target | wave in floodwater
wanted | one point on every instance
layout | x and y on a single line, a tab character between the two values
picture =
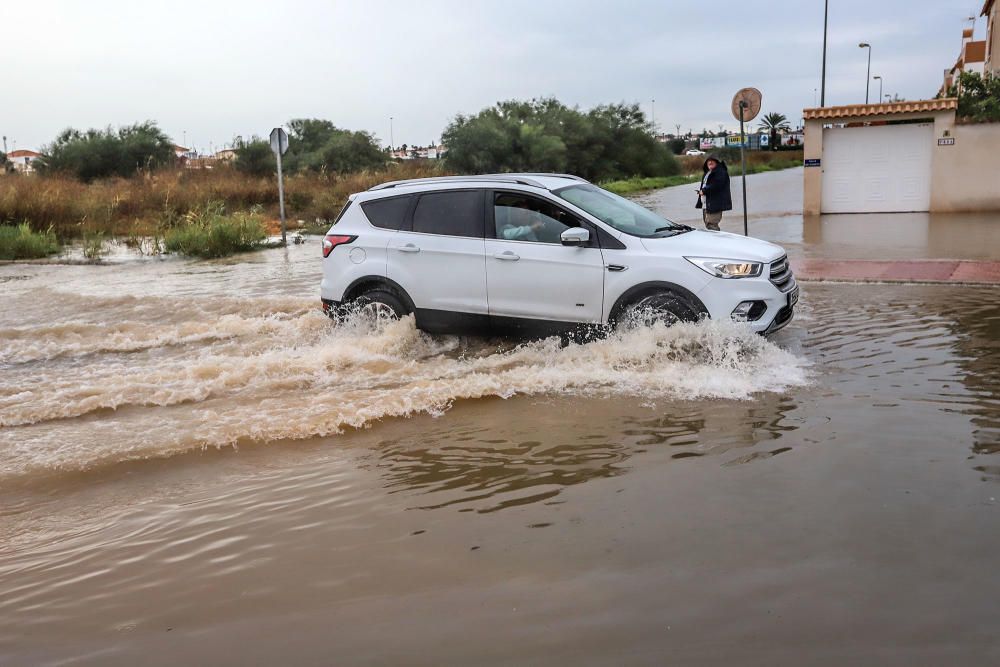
162	380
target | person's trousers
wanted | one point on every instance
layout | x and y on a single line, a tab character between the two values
712	220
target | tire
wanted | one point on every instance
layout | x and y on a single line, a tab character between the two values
657	308
378	305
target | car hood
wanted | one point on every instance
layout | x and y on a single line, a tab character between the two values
700	243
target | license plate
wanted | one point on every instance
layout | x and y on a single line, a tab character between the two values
793	297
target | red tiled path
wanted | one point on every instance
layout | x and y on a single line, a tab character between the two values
901	271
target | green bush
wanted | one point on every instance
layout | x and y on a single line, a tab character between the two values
979	97
104	153
21	243
209	232
608	142
676	145
255	157
318	145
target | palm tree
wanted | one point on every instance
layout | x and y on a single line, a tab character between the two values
773	123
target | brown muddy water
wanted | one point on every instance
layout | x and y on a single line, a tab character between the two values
196	467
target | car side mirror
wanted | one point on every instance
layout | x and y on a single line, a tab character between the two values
575	236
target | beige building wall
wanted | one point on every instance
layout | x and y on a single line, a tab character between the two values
963	175
990	11
966	176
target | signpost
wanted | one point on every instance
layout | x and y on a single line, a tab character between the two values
746	106
279	145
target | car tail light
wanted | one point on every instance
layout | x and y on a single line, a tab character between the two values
331	241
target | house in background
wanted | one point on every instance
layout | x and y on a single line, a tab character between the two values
21	160
991	10
971	58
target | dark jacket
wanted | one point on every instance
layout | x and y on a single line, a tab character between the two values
716	188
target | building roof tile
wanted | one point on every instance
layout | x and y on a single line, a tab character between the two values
858	110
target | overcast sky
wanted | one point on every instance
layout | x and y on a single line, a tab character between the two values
209	70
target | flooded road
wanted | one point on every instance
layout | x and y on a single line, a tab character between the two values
197	467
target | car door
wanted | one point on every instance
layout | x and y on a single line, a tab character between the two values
438	256
529	273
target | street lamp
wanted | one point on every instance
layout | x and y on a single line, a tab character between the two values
391	138
868	76
826	15
879	86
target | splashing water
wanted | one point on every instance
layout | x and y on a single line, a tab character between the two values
174	376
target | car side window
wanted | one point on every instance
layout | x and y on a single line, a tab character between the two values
389	213
451	213
519	217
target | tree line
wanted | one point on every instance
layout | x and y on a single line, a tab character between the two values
607	142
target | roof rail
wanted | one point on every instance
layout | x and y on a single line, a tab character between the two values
502	178
573	177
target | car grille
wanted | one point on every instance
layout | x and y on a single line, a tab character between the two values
781	274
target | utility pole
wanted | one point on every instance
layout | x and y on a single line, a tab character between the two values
652	115
392	140
826	15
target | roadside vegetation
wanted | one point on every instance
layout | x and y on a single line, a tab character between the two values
757	162
209	232
20	242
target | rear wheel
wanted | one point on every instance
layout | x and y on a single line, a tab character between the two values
378	306
657	308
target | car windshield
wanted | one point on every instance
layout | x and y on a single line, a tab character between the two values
622	214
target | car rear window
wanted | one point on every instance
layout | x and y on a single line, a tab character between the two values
387	213
453	213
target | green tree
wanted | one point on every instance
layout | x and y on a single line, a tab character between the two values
103	153
611	141
318	145
254	157
774	123
978	97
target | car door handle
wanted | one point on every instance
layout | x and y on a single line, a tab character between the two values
409	247
507	256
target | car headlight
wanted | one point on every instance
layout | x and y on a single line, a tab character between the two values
727	268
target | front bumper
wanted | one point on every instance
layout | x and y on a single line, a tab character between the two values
721	297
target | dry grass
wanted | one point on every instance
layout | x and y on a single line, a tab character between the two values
144	204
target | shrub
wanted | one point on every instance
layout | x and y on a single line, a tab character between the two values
103	153
21	243
209	232
318	145
676	145
255	157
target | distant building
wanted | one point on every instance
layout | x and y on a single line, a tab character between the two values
226	155
971	58
21	160
991	62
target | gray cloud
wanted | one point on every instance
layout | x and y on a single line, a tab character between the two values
219	69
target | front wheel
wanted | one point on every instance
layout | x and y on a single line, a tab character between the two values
658	308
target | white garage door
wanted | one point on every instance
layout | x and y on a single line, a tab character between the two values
877	169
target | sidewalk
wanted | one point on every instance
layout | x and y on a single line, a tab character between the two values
898	271
956	248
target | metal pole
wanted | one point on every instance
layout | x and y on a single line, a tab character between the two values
880	89
392	140
743	164
281	195
826	14
868	77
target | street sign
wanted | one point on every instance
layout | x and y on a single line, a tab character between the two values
750	97
279	141
947	141
279	144
812	162
745	107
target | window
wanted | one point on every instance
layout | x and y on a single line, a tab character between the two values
455	213
622	214
520	217
387	213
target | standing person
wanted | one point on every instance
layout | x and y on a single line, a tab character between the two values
714	191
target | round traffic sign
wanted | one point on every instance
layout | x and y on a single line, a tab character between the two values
750	100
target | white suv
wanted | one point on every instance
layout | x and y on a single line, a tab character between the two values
541	254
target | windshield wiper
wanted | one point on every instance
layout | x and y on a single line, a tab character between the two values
676	229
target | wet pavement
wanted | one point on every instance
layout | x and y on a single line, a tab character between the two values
196	467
